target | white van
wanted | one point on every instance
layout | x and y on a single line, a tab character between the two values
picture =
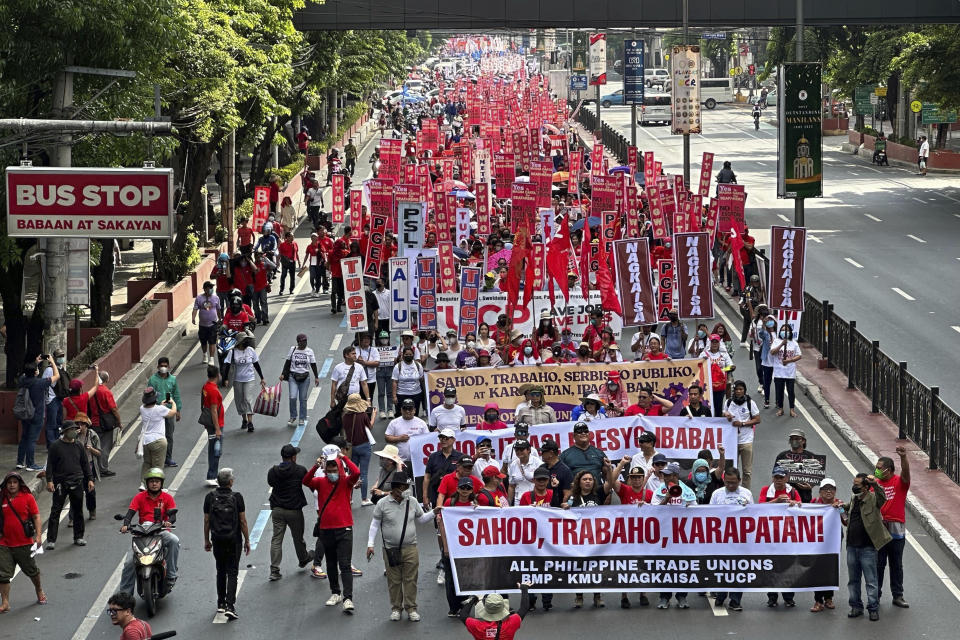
655	76
656	107
715	90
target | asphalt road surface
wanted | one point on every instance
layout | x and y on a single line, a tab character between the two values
882	244
78	581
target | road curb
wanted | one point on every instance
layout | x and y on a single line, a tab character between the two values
928	521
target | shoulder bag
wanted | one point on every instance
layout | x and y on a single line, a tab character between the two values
395	554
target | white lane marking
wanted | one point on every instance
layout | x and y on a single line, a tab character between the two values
927	559
100	604
957	215
854	263
815	239
312	398
955	328
220	618
874	218
854	173
920	240
784	218
717	611
903	293
920	201
335	343
83	631
872	169
949	198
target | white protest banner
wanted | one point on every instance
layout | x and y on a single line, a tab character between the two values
546	225
399	273
463	225
678	438
719	548
410	217
356	302
482	166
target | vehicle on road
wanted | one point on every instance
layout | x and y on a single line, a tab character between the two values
656	107
150	560
612	98
713	91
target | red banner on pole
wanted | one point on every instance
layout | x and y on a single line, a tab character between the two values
691	252
608	230
410	173
381	201
603	194
706	169
442	217
576	167
423	181
504	171
657	219
664	288
541	174
448	271
632	261
482	191
390	158
261	207
356	203
596	161
731	201
649	169
710	224
374	257
788	252
524	199
633	160
336	190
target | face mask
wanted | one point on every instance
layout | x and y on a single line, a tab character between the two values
701	476
527	351
449	402
490	417
408	359
795	443
770	324
674	317
471	345
783	334
701	334
162	370
333	477
583	352
433	338
567	339
59	361
855	489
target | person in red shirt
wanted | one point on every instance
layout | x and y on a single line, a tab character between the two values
780	491
261	270
648	404
120	608
635	491
661	252
592	334
339	251
493	618
211	398
746	256
144	505
655	349
491	494
491	417
243	277
303	141
224	280
77	401
895	488
540	495
410	149
17	505
450	483
105	419
289	260
274	194
239	316
245	237
334	488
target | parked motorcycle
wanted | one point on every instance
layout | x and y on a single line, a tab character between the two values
149	560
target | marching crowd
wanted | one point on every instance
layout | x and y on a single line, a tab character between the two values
382	378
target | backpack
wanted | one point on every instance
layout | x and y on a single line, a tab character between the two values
224	518
23	407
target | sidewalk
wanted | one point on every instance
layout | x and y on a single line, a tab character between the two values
934	499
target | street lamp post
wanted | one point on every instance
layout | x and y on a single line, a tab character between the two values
686	136
798	213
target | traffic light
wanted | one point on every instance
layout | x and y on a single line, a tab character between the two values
752	69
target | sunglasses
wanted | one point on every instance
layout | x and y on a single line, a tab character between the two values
113	613
444	438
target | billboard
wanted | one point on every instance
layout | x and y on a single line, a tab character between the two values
89	202
633	71
685	78
799	138
598	58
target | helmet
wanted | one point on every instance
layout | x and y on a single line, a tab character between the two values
224	257
384	334
235	293
156	473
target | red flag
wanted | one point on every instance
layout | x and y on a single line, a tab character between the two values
558	257
609	299
511	283
736	244
585	260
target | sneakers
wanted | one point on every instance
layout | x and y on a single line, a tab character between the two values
171	463
663	603
50	546
598	601
302	423
644	601
34	467
80	542
577	601
356	572
366	503
318	573
347	606
211	482
453	614
274	576
789	603
440	576
414	616
855	613
249	427
772	602
624	602
334	599
107	473
221	608
230	612
93	515
308	560
682	602
874	616
292	422
395	615
735	606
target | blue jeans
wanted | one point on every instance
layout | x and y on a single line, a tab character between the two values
360	454
384	385
767	379
891	552
54	419
214	451
298	391
28	439
862	561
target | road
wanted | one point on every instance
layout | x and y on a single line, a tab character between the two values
78	580
883	244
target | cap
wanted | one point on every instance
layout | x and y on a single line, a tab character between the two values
82	417
828	482
465	483
566	331
58	353
521	444
484	439
407	334
549	445
447	433
465	461
673	469
331	452
646	436
67	425
400	476
208	285
658	457
516	333
541	472
481	353
714	336
581	427
637	471
450	392
779	471
301	337
451	332
545	314
408	403
798	433
584	344
287	451
75	385
613	375
443	357
492	471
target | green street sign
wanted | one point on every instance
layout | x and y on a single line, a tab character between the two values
861	100
932	114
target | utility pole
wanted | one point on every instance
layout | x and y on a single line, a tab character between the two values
798	213
686	136
228	195
633	105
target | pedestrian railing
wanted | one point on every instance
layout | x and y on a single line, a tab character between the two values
612	140
917	410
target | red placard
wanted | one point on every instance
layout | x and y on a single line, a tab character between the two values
664	288
706	168
576	167
524	199
596	161
374	257
482	191
423	181
608	230
336	190
657	219
649	169
541	175
442	217
603	194
633	160
390	158
409	173
691	253
381	201
710	224
448	270
504	171
261	206
731	201
356	203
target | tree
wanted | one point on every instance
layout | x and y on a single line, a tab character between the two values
928	61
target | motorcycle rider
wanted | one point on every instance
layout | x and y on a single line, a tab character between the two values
143	505
757	112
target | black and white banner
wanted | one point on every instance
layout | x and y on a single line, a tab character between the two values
677	438
759	547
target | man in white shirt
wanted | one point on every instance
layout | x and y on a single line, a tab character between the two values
357	382
401	429
484	457
369	357
731	493
453	345
521	470
449	415
644	458
744	414
382	293
923	155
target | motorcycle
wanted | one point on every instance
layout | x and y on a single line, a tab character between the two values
226	340
150	560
